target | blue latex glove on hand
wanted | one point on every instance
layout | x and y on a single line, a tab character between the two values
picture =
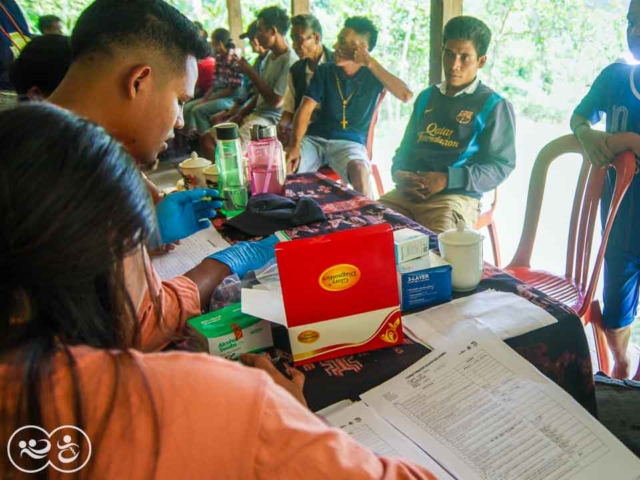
244	257
184	213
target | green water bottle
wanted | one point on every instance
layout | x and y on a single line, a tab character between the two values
230	163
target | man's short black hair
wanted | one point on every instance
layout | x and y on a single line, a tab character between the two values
468	28
43	63
363	26
46	22
308	22
275	17
106	25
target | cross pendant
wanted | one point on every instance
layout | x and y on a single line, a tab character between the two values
344	118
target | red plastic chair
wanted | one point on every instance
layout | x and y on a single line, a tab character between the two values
485	219
331	173
576	288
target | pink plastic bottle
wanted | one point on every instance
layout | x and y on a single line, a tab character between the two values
267	168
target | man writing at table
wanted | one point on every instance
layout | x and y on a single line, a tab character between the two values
460	141
346	92
134	67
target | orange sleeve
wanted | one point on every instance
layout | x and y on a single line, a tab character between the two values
176	301
294	443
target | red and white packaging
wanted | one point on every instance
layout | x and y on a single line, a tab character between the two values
339	294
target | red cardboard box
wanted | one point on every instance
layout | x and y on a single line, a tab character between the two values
339	294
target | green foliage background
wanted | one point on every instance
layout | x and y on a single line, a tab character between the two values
544	53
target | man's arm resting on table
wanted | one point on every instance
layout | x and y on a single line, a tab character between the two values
300	125
207	276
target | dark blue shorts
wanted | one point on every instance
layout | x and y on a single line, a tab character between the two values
621	284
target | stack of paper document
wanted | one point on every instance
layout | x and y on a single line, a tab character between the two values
479	411
506	314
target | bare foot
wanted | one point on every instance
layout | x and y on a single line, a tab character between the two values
621	370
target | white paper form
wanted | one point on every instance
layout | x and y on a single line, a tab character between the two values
371	431
189	253
483	412
506	314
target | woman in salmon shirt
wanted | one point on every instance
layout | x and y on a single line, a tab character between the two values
68	330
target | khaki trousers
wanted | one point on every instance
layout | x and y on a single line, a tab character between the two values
438	213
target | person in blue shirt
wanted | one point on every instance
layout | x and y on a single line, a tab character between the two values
460	141
616	93
346	92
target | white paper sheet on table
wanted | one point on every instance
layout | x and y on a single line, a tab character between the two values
189	253
373	432
483	412
506	314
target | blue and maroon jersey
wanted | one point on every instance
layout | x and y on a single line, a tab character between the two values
615	94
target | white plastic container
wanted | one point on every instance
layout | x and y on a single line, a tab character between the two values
462	249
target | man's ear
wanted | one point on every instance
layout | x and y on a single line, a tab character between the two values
137	79
316	37
35	94
481	61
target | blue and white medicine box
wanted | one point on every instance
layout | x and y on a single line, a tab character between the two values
410	244
424	282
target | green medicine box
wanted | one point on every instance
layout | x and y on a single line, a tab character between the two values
228	332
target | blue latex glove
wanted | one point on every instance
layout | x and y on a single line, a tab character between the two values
244	257
184	213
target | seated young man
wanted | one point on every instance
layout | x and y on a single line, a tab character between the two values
271	85
244	105
460	141
226	87
346	92
306	38
615	93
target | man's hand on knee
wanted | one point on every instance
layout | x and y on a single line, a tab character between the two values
422	185
433	182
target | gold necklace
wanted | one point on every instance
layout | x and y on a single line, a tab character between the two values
344	102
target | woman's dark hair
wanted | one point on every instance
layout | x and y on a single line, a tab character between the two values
73	207
275	17
43	63
468	28
106	25
363	26
223	36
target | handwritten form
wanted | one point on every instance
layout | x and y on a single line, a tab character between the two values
189	253
371	431
485	413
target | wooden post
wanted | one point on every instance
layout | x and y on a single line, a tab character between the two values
299	6
235	21
441	12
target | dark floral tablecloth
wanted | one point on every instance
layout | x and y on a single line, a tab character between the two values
560	351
